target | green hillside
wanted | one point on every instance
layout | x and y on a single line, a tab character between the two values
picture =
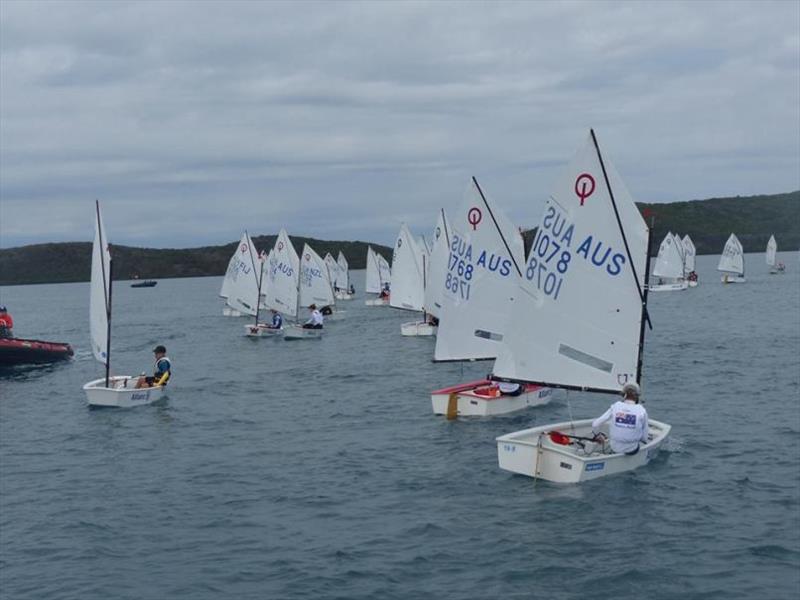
71	261
708	222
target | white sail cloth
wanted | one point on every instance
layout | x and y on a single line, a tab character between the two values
315	285
243	276
283	276
343	279
690	252
772	250
577	315
437	266
669	262
408	273
732	258
483	270
99	306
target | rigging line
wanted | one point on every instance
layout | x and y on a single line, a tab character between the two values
502	237
642	296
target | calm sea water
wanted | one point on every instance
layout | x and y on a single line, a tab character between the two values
317	470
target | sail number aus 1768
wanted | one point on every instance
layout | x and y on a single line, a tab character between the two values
459	276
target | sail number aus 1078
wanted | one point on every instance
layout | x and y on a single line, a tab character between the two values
547	264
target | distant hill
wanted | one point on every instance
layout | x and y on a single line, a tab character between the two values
71	261
709	223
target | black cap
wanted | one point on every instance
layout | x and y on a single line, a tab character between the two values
160	349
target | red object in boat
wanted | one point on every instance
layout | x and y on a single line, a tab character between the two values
19	351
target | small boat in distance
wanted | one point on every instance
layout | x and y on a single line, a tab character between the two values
731	262
145	284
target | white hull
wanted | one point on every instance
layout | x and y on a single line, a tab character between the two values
692	284
481	399
343	296
377	302
531	452
733	279
227	311
262	330
669	287
122	393
295	332
419	328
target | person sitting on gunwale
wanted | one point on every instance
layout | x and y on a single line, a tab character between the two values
162	372
315	321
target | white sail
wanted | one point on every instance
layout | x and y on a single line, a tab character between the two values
373	281
244	277
732	258
344	272
224	291
437	266
283	272
690	252
486	254
315	284
577	317
772	249
99	305
408	274
669	262
333	270
384	270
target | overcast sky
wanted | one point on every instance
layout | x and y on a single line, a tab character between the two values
191	121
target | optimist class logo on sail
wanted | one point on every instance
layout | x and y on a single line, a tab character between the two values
557	243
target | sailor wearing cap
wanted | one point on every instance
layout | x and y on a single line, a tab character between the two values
628	421
315	320
162	372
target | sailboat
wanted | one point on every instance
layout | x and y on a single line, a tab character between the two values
408	279
669	267
378	278
316	286
117	390
580	315
342	286
772	251
483	267
689	252
437	270
230	276
731	262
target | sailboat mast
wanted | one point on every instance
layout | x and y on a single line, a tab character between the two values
621	229
424	285
108	316
640	359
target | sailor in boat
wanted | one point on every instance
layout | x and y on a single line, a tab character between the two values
352	289
277	320
326	311
384	292
692	276
628	422
6	323
434	321
162	372
509	389
315	321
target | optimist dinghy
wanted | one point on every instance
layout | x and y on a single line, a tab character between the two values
731	262
409	263
120	390
580	317
484	398
481	277
669	266
342	286
378	276
689	252
772	251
